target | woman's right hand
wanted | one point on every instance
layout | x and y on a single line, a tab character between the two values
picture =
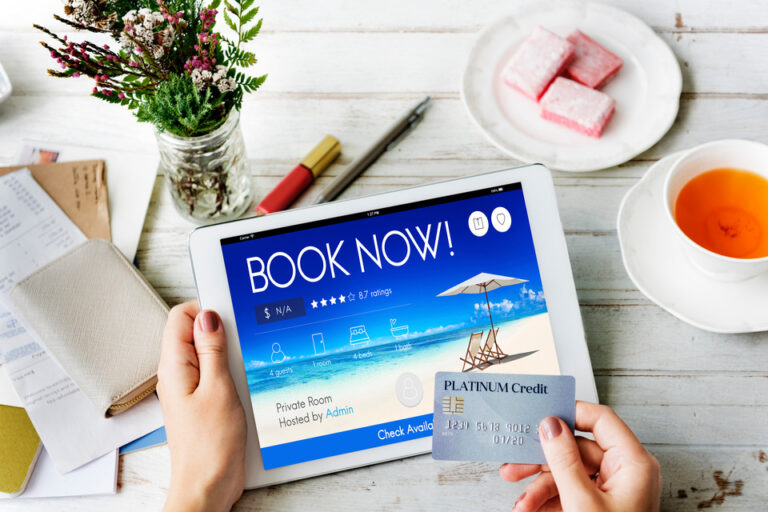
612	473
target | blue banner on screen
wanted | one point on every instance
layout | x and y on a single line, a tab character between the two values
347	441
344	322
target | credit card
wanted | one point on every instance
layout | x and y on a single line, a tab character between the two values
495	417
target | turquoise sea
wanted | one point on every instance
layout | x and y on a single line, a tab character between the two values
360	360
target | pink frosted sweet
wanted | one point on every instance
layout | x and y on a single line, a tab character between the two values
539	59
577	107
592	64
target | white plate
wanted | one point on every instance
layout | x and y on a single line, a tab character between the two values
5	85
646	89
656	263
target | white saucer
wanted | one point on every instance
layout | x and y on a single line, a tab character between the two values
656	263
5	85
646	89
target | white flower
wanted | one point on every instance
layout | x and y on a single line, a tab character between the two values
166	36
218	78
197	79
140	32
130	17
89	13
220	73
226	85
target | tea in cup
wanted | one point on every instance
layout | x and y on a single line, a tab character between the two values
716	197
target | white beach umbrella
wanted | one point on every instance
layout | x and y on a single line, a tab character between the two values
482	283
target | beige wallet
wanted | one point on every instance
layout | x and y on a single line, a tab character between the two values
100	319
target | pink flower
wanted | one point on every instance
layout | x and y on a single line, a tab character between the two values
95	90
121	96
76	74
106	47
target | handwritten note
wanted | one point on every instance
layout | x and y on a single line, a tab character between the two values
79	188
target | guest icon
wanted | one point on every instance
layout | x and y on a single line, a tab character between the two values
278	356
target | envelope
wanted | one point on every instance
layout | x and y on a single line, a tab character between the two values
79	188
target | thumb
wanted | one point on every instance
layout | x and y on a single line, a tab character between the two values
210	346
564	460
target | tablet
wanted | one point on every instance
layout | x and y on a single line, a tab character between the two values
338	316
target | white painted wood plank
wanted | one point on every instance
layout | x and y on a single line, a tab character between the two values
705	425
637	337
420	483
689	389
453	15
280	129
411	62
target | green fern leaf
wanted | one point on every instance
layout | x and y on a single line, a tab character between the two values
251	33
229	22
248	16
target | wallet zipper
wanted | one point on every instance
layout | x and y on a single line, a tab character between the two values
133	400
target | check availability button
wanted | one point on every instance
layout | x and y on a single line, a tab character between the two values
347	441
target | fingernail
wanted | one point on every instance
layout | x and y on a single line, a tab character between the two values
209	321
550	428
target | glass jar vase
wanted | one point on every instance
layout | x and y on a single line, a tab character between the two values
208	176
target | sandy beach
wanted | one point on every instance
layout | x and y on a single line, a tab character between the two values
370	391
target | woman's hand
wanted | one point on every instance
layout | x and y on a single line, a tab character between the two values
204	419
612	473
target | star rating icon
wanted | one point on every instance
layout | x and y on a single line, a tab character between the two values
332	301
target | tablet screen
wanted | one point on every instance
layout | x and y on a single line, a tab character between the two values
343	322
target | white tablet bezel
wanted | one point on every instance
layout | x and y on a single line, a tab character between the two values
556	276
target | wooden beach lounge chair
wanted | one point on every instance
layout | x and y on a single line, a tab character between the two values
473	348
491	349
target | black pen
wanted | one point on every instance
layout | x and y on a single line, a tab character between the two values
395	134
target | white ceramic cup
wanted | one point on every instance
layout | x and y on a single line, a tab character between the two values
737	154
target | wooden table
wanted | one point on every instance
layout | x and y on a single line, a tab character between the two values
699	401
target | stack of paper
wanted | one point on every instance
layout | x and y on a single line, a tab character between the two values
80	455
